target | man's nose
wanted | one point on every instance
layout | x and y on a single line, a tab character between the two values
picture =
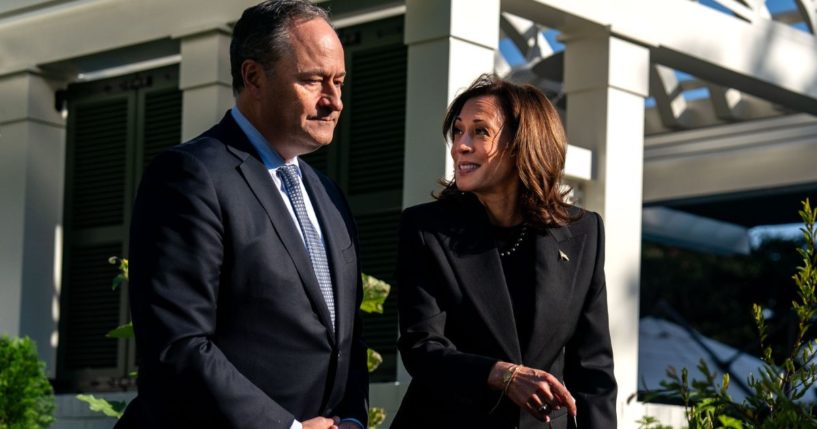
331	97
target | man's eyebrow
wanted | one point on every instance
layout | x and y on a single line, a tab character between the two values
319	72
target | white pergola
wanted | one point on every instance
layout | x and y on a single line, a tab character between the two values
618	53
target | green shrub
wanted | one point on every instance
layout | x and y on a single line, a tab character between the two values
26	396
778	397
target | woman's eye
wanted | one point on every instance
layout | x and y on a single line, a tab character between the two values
481	132
456	131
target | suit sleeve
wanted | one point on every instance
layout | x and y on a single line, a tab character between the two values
176	257
589	353
430	357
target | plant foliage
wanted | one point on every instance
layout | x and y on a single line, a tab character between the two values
104	406
26	396
648	422
375	292
778	392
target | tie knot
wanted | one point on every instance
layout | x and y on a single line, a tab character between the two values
289	173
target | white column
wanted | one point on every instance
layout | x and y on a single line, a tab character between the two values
606	81
450	43
32	159
205	80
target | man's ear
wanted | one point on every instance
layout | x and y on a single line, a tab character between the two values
254	76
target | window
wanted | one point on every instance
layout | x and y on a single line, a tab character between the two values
115	127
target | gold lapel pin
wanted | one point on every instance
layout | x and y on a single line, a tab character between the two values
563	256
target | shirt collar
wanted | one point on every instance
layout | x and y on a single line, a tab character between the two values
270	158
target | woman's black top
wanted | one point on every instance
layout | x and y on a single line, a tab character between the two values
518	268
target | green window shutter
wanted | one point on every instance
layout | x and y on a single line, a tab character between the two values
99	163
377	124
378	257
115	127
162	124
99	133
94	309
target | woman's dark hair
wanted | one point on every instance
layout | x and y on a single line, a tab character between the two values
535	140
262	33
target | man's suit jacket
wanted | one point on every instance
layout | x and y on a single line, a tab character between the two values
456	319
231	328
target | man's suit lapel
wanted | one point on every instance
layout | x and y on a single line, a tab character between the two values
557	261
262	186
477	264
335	239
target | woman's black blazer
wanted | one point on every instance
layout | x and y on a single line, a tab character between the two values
456	319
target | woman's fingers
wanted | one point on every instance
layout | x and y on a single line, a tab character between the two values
561	395
540	393
539	408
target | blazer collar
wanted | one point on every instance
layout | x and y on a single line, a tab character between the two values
476	262
252	168
336	239
557	254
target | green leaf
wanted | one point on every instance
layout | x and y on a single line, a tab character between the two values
373	359
122	277
26	396
109	408
117	281
375	292
376	417
730	422
123	331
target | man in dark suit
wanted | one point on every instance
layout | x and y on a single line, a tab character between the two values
244	275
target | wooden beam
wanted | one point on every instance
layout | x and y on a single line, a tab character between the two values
755	58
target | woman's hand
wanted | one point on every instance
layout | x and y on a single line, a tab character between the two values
532	389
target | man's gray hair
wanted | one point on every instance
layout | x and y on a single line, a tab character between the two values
262	33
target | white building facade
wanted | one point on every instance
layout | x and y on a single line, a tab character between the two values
91	89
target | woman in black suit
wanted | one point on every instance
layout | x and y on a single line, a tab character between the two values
503	308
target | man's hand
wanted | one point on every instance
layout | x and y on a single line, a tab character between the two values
322	423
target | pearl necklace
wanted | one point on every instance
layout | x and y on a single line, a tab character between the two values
517	243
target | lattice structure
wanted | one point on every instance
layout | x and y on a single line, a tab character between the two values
678	100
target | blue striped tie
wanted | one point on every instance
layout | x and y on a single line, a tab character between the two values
314	245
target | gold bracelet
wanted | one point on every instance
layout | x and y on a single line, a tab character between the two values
508	378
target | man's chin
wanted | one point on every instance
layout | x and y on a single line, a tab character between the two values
315	143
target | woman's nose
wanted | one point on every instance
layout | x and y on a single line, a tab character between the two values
463	144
